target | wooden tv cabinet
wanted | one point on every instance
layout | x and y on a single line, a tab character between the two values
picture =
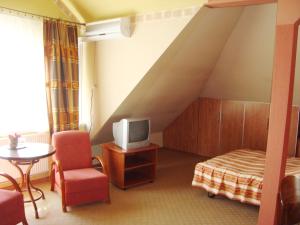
132	167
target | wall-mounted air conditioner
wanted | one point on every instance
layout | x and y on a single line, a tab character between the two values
107	29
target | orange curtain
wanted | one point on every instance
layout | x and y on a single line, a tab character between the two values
61	65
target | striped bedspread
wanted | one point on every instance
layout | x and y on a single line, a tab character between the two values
237	175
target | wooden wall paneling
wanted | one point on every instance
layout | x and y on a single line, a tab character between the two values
190	128
209	127
172	134
293	131
182	133
232	120
178	130
167	135
256	125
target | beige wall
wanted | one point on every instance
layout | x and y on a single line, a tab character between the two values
157	138
244	69
87	83
121	63
221	53
177	77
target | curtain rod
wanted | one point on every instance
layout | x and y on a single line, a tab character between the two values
26	14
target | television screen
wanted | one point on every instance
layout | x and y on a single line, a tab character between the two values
132	133
138	130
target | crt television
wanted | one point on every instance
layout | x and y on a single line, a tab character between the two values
131	133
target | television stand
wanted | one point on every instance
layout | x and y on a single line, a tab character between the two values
132	167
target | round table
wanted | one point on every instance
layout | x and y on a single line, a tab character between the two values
27	154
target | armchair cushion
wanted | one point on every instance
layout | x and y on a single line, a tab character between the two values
73	149
83	180
11	203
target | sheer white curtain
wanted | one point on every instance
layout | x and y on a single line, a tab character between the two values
22	77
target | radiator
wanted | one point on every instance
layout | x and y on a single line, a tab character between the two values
39	168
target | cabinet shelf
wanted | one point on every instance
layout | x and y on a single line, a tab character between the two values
136	178
138	165
132	163
132	167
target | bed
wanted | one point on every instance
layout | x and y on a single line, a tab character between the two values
237	175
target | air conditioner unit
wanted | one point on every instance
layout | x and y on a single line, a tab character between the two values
107	29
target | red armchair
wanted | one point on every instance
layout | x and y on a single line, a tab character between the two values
11	204
72	173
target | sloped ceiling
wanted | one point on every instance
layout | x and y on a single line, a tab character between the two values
93	10
244	69
41	7
179	74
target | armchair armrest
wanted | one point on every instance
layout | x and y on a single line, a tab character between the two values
101	162
12	180
57	163
59	168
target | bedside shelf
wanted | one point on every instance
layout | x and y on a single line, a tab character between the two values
132	167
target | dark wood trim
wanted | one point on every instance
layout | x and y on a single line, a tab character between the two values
235	3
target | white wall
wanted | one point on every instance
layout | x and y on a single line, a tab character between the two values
87	77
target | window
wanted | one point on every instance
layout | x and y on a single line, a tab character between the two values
22	77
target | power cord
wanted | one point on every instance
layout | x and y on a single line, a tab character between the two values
91	107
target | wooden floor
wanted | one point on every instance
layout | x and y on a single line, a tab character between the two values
169	200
